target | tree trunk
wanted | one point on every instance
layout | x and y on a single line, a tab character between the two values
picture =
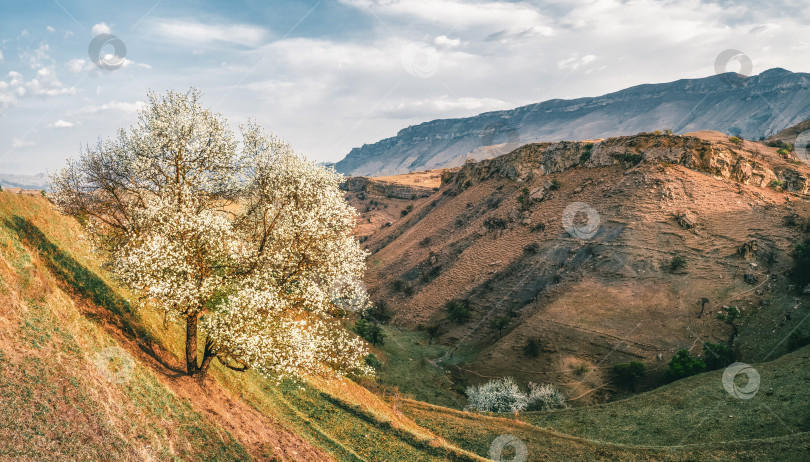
191	344
203	369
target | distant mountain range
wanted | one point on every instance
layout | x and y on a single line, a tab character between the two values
38	181
751	107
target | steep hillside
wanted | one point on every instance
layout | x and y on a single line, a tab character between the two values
669	415
85	378
752	107
680	219
382	200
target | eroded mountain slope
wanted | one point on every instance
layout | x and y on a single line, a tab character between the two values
681	219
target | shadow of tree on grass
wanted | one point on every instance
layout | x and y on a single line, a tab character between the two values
75	278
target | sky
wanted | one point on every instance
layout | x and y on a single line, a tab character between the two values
331	75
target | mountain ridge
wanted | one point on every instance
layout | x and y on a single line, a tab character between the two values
752	107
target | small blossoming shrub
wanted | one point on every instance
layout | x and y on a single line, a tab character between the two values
543	397
504	395
499	395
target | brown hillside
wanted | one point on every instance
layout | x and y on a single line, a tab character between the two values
789	134
493	236
382	200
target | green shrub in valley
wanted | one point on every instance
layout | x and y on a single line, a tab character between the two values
677	262
370	331
683	364
499	324
458	311
628	374
532	348
797	340
801	258
717	355
372	361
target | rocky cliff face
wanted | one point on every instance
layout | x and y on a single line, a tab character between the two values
384	188
751	107
726	160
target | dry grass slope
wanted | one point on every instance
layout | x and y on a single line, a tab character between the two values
62	400
493	236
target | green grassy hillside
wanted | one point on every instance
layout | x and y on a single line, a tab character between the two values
692	419
698	410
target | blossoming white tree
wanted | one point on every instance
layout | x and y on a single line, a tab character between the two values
247	244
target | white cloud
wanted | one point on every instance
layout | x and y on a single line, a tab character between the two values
68	34
46	84
131	63
37	58
513	35
61	124
85	65
101	28
1	56
444	41
195	34
117	106
50	29
460	14
441	105
78	65
16	78
17	143
574	62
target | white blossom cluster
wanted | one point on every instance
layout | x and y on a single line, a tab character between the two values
498	395
545	396
257	328
504	395
179	257
249	238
